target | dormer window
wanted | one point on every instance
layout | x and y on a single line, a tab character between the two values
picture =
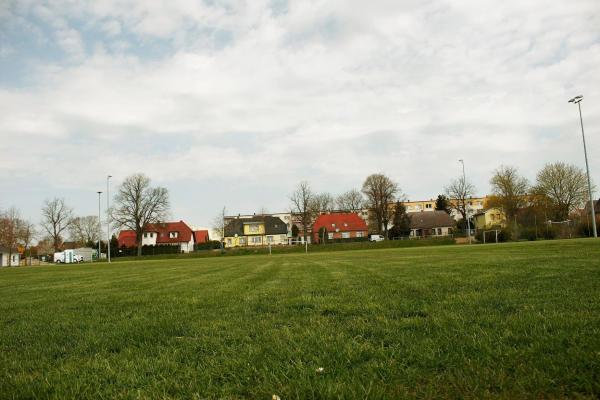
173	235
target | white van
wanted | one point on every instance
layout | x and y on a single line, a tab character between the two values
67	257
376	238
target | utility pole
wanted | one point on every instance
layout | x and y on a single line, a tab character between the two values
108	218
465	200
99	226
577	100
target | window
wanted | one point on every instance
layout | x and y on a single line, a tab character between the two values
151	234
269	239
330	236
229	242
345	235
242	241
359	234
253	228
173	235
428	205
256	240
145	235
333	225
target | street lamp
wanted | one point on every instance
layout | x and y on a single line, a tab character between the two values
108	219
99	226
577	100
464	193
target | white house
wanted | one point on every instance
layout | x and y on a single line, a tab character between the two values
8	258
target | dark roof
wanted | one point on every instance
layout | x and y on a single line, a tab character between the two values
430	219
4	249
273	225
596	206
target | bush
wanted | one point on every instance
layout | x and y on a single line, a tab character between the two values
528	233
210	245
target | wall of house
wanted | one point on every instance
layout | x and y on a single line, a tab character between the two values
13	261
186	247
490	218
149	238
440	231
262	240
341	235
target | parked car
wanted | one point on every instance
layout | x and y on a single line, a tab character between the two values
376	238
67	257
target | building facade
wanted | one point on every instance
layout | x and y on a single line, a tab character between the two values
258	230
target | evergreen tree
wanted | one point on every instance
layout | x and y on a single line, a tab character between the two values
442	204
401	222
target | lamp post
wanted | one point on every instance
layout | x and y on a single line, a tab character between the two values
108	219
465	200
577	100
99	226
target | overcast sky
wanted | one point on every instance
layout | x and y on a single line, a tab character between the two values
232	103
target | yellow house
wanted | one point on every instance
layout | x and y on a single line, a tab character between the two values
492	217
259	230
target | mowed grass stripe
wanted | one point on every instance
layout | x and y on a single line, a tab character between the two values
512	321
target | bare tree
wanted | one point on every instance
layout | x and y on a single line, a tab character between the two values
321	203
459	191
85	230
137	204
509	190
27	234
302	200
564	186
56	217
381	193
10	230
350	201
218	225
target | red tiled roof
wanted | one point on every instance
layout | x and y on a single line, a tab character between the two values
201	236
162	229
345	222
127	238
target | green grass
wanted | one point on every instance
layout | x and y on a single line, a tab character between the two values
510	321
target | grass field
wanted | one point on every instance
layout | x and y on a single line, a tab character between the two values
510	321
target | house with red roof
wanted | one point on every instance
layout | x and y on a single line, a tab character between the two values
339	226
164	233
201	236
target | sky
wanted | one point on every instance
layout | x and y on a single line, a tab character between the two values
232	103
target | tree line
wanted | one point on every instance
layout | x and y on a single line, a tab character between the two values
559	190
136	204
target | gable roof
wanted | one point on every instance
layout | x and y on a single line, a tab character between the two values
430	219
201	236
127	238
344	222
162	229
273	225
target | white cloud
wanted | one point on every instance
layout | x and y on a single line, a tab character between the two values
328	91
